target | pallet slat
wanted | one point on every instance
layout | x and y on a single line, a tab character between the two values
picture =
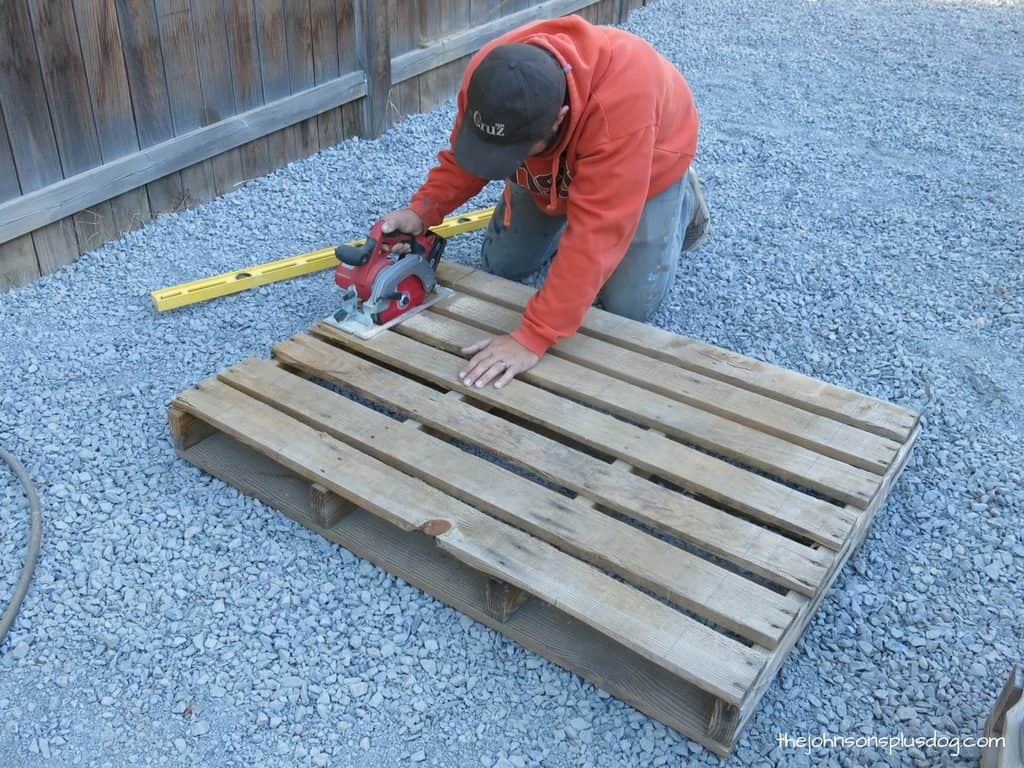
721	436
866	412
822	522
740	605
811	430
764	552
683	646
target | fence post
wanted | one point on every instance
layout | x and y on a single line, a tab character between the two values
375	47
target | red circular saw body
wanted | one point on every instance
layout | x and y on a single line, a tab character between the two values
412	295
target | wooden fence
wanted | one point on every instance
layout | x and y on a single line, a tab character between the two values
114	111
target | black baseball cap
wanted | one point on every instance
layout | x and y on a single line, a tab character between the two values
513	99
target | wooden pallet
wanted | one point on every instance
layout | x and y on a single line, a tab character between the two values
661	516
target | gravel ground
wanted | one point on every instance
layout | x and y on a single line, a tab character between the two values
862	164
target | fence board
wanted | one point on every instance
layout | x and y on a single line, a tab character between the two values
24	101
404	18
374	36
177	44
18	263
455	45
144	65
352	122
326	65
34	146
298	28
273	69
30	211
441	83
481	11
57	244
9	186
243	50
88	82
67	92
99	36
209	23
348	53
107	77
67	89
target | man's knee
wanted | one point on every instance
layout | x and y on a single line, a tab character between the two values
524	246
635	302
500	255
640	284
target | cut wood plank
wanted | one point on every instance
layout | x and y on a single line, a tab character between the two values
736	603
681	645
412	557
716	434
761	551
186	430
862	411
811	430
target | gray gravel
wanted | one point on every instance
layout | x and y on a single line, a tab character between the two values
862	162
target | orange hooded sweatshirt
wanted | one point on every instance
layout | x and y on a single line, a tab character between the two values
631	133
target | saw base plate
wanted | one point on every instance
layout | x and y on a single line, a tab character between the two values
356	325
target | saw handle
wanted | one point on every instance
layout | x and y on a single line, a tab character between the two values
358	255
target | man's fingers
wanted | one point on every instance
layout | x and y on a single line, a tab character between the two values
476	346
480	362
510	373
495	368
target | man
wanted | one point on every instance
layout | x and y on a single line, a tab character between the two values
594	133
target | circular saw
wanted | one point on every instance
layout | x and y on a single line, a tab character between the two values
381	288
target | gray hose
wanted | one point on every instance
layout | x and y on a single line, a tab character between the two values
34	540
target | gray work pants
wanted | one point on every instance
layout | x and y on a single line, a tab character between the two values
641	280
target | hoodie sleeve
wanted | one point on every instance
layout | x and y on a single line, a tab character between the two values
606	199
448	185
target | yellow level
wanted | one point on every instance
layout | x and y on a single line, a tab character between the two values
285	269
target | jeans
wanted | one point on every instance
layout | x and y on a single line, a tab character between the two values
642	279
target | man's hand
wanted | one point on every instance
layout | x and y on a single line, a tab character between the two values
494	356
405	220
